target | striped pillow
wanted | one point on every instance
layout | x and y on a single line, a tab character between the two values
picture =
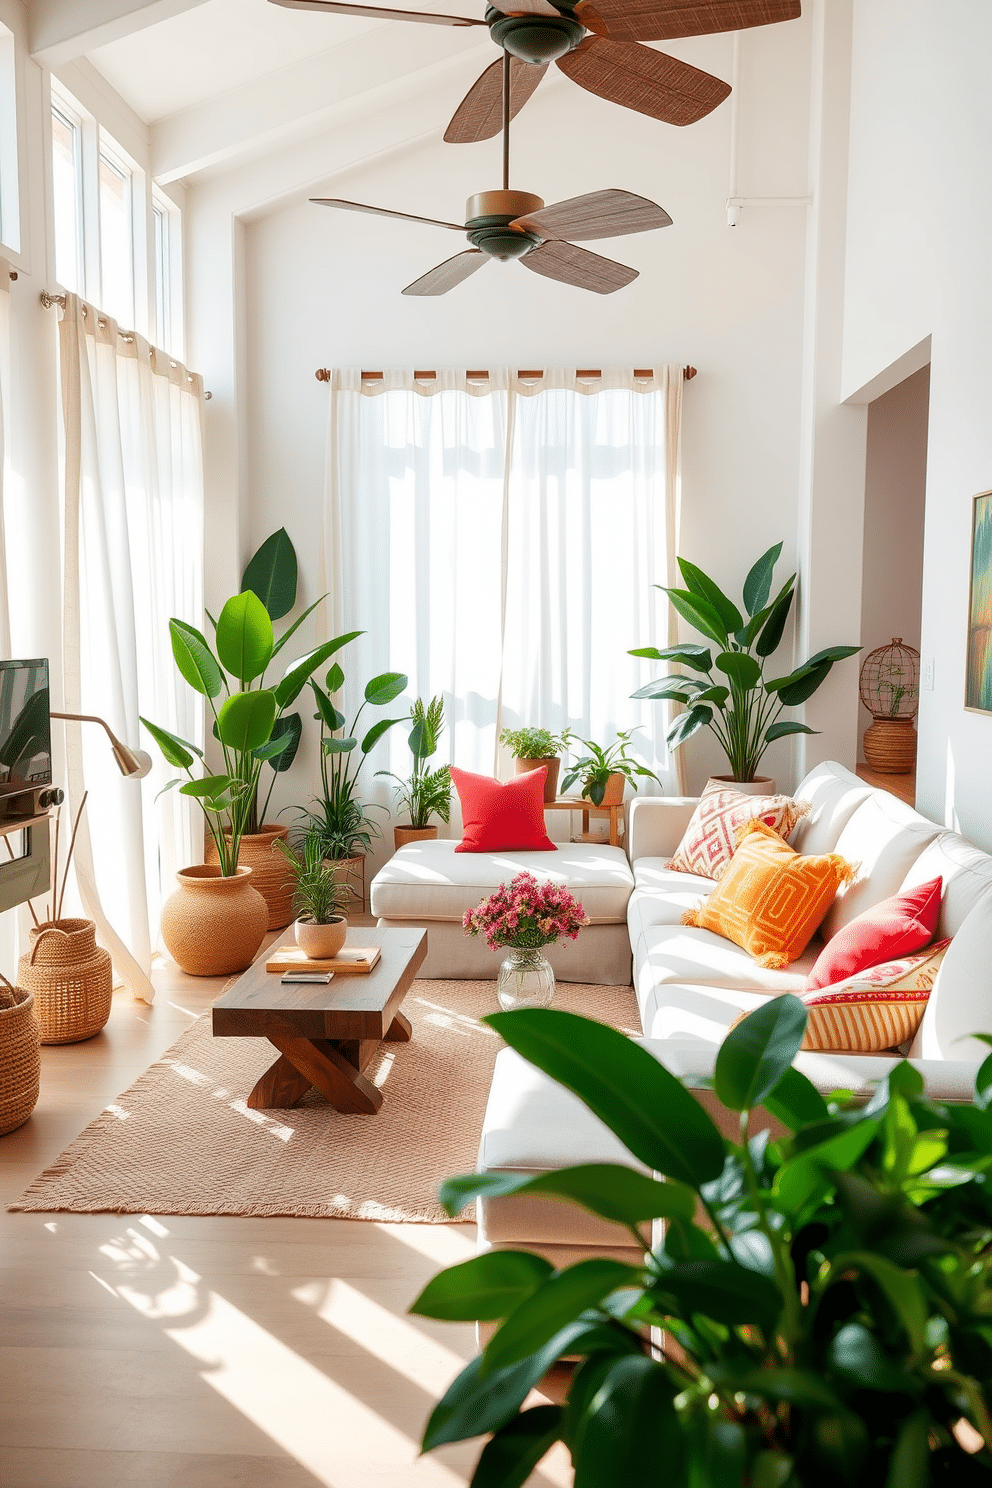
876	1009
710	840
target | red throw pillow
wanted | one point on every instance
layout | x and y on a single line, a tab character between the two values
502	818
896	927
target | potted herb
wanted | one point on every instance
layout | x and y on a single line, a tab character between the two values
532	747
826	1323
318	898
337	815
605	772
425	793
730	695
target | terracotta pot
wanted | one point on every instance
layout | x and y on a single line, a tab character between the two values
553	763
321	942
270	873
71	978
403	835
20	1056
213	925
615	787
761	785
890	746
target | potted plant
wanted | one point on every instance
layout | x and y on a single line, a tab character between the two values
532	747
425	793
605	772
344	825
253	727
738	705
823	1297
318	899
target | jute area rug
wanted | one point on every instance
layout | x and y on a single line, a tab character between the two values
181	1140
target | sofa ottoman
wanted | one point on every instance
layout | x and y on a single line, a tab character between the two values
430	885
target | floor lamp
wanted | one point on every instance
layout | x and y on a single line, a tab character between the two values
132	763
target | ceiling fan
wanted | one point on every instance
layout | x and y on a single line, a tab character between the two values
516	224
595	43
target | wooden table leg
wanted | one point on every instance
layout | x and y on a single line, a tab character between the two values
280	1087
322	1064
400	1031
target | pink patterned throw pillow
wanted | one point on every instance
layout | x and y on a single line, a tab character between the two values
711	837
875	1009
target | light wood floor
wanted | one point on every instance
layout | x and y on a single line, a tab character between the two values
141	1352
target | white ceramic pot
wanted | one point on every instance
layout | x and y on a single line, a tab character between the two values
321	942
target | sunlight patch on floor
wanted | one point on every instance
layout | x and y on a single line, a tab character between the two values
399	1344
444	1244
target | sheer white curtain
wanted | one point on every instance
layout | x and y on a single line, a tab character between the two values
4	394
498	541
133	558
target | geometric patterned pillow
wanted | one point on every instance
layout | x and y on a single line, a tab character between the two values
874	1009
770	900
710	839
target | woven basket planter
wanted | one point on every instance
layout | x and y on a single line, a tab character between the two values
71	978
20	1056
212	925
270	876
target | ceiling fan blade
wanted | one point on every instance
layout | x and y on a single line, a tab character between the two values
579	267
378	12
350	206
664	20
525	7
638	78
438	281
479	116
600	214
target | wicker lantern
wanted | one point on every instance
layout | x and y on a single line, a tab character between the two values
889	687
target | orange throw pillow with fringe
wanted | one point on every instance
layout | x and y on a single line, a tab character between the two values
770	900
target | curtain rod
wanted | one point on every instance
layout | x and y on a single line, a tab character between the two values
48	300
323	374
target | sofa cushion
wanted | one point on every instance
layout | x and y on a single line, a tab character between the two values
833	794
695	1014
880	1008
961	1001
966	872
710	839
771	900
883	839
497	817
680	953
431	881
896	927
661	896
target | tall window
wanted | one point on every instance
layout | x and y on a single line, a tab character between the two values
116	239
67	184
10	231
166	275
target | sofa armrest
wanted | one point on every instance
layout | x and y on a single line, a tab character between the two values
656	825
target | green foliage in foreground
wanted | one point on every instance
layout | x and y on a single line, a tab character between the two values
825	1297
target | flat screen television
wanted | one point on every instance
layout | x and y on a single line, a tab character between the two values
25	726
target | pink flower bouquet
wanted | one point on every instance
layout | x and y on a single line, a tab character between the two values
526	914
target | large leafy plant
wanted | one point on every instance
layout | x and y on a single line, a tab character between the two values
825	1298
250	719
738	705
425	793
338	815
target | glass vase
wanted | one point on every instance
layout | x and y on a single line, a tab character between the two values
525	980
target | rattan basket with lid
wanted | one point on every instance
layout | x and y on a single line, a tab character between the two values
20	1056
71	978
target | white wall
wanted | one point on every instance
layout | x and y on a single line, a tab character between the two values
322	288
920	220
895	501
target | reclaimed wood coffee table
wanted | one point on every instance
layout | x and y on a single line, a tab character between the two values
325	1034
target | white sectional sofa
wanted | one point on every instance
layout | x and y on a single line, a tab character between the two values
691	985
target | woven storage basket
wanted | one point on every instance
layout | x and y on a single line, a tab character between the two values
20	1056
270	876
71	978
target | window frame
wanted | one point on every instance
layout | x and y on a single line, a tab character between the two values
13	218
72	118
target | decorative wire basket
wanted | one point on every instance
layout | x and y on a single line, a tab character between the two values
889	684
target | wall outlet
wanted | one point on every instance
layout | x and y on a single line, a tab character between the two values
928	674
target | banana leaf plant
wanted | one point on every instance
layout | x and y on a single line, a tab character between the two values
824	1299
730	695
344	825
250	718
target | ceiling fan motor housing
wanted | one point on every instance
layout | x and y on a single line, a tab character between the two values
488	215
534	38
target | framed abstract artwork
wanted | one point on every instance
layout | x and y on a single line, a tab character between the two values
978	678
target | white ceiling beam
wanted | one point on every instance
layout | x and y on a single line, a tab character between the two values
59	32
270	111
